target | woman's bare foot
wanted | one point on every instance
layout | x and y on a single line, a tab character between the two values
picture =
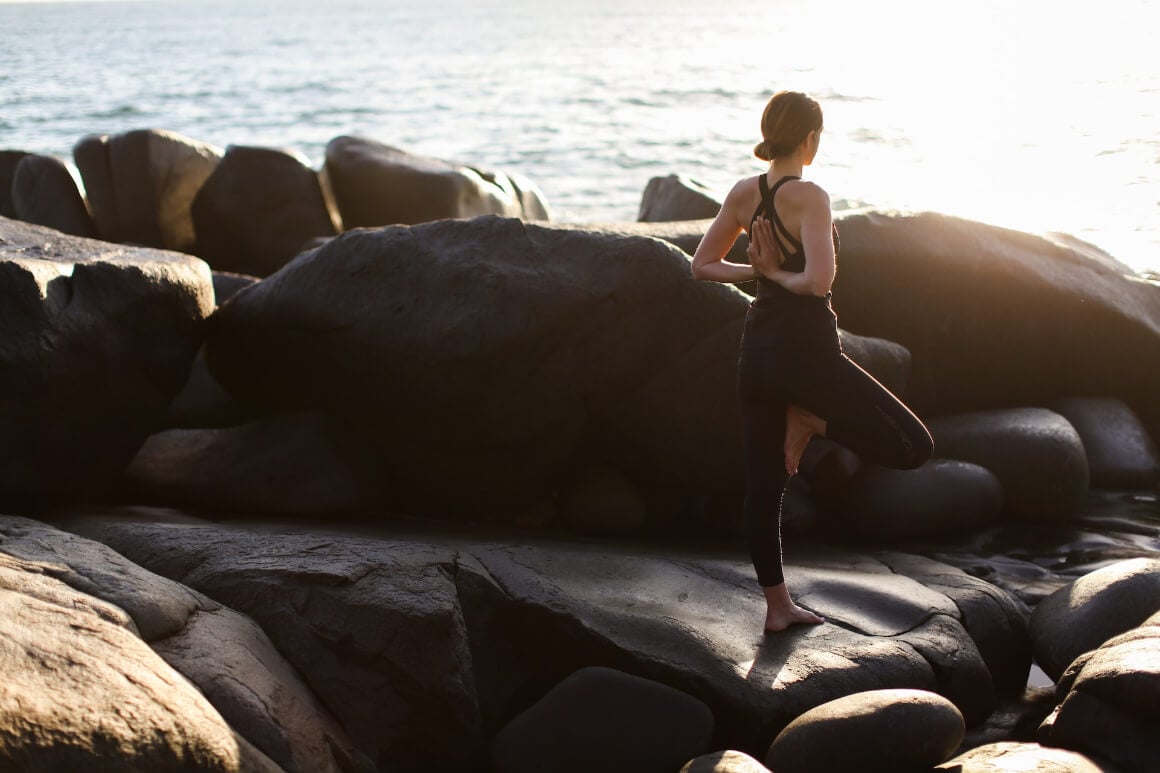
800	426
781	611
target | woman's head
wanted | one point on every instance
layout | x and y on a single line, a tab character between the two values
787	121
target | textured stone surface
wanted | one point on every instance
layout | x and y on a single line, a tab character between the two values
602	719
1093	609
141	184
83	692
876	730
258	209
450	633
729	761
1015	756
44	193
676	197
98	339
375	184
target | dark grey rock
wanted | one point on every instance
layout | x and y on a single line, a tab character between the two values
1120	453
1035	453
258	209
875	731
444	634
998	318
375	184
602	501
97	340
140	185
677	197
1013	755
44	193
8	162
940	498
1093	609
287	464
602	719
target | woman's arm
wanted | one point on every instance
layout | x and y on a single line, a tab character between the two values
709	260
817	241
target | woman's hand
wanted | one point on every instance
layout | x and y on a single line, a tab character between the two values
762	252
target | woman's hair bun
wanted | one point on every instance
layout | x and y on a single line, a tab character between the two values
761	150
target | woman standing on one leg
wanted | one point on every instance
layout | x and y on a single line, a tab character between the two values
793	379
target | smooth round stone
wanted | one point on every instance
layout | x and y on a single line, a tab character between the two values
1011	756
44	193
606	720
939	498
724	762
1082	616
676	197
878	730
1036	454
1120	452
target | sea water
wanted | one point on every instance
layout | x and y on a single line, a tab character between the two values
1036	115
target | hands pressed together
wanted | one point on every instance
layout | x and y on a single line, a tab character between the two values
762	252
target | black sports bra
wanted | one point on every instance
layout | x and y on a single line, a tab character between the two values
794	261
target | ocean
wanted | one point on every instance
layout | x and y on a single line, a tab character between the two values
1036	115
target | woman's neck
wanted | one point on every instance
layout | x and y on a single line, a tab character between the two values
786	167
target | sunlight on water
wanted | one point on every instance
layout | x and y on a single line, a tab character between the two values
1033	115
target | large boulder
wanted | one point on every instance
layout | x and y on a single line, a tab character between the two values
225	654
426	641
676	197
97	340
83	692
940	498
997	318
375	184
258	209
45	193
878	731
1035	453
1110	701
493	352
1083	615
602	719
141	184
289	464
1120	452
9	159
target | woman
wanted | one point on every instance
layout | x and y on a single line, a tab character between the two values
793	379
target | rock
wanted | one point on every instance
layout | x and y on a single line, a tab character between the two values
226	284
1062	318
9	159
1035	453
600	500
940	498
83	692
439	343
1120	453
887	361
729	761
375	184
140	185
425	641
1093	609
44	193
602	719
228	657
879	730
996	620
97	340
258	209
287	464
1011	755
677	197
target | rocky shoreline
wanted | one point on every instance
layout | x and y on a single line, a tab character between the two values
376	468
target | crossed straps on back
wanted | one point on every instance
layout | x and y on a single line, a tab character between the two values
781	234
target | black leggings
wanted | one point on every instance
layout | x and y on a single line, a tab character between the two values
861	415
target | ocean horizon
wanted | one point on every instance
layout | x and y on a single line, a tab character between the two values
1028	116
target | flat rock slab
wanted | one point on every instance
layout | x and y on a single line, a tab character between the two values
427	642
1014	756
